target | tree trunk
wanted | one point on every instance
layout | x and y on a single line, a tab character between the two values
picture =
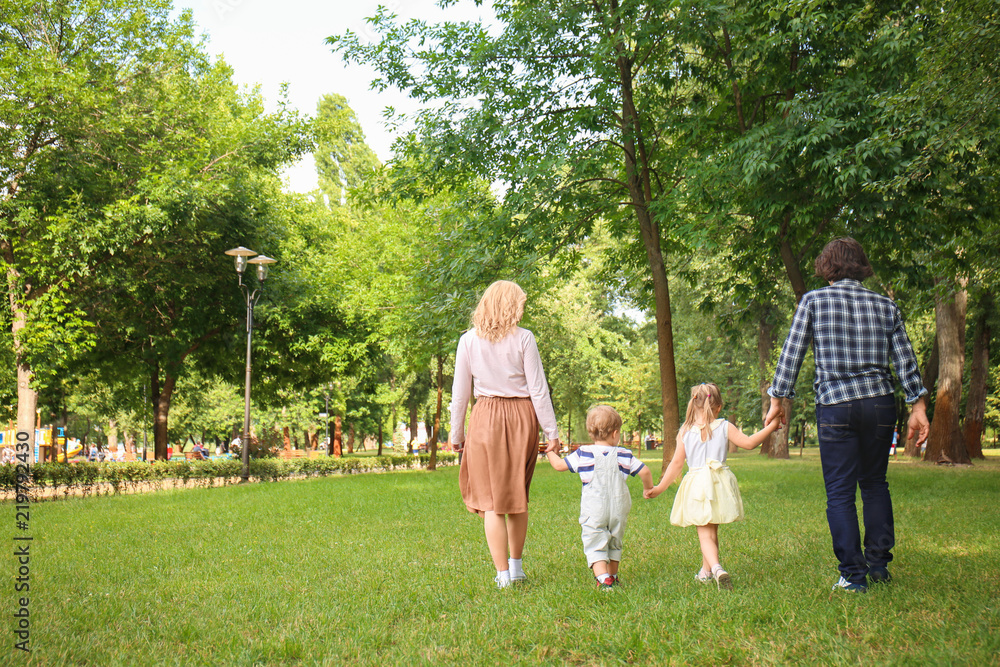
975	408
945	443
930	377
779	446
790	261
638	179
286	437
432	445
931	367
779	439
902	418
338	438
765	343
379	436
161	397
350	438
112	435
27	397
413	428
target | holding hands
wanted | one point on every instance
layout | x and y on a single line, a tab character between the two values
776	412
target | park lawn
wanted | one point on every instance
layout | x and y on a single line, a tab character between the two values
390	569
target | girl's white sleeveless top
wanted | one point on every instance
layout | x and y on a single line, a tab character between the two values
714	448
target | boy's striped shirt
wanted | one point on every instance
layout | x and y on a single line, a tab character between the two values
582	461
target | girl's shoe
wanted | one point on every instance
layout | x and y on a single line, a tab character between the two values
722	579
703	577
502	580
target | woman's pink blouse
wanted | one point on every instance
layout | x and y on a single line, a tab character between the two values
510	368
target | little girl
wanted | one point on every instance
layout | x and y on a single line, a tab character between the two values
709	494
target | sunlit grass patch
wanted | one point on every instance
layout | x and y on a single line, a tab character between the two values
391	569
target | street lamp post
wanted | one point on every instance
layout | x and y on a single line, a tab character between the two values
252	296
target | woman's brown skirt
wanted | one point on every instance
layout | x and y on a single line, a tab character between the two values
501	449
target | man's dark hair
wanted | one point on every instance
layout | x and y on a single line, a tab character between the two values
843	258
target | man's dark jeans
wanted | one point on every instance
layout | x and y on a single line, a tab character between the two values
854	441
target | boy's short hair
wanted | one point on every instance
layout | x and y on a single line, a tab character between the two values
603	421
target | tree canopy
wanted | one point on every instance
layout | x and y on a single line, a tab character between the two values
657	174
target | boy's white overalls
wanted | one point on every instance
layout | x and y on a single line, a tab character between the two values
604	507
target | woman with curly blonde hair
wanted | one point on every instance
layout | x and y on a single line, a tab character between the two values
498	362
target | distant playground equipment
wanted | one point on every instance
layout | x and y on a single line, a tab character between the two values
43	440
73	447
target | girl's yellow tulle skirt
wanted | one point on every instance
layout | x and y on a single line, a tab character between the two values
709	494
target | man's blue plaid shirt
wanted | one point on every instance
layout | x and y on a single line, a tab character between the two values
855	332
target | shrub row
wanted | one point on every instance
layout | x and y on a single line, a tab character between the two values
91	477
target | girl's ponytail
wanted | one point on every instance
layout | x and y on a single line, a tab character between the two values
705	398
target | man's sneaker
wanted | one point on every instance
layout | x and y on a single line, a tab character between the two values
703	577
845	585
722	579
879	575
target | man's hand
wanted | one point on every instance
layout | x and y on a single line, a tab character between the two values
776	411
918	426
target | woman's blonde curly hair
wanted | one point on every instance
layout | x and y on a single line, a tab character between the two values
499	310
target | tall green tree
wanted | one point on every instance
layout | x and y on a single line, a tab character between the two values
132	160
560	104
343	159
422	273
799	134
78	79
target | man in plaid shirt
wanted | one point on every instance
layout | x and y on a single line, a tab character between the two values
855	334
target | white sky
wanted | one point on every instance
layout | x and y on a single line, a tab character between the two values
268	43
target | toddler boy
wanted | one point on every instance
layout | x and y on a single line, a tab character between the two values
605	503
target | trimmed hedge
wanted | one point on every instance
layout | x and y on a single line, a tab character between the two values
114	477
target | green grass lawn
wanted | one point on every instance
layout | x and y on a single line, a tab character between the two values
389	569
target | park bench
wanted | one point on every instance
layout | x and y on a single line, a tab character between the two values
292	453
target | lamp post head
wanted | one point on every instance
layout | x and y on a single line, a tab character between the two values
262	262
241	254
